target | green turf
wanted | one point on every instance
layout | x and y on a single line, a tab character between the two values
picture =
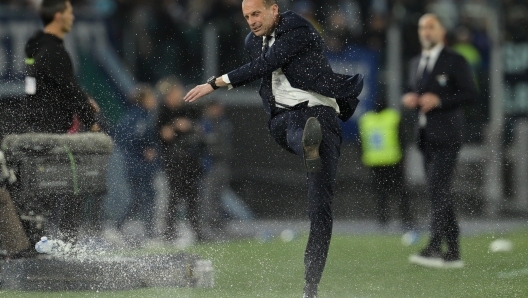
358	266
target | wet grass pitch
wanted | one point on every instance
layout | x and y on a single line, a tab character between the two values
358	266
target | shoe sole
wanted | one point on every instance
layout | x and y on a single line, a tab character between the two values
454	264
311	140
426	262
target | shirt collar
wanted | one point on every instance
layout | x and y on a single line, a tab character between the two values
272	36
434	52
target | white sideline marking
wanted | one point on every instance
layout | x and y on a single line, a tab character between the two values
513	274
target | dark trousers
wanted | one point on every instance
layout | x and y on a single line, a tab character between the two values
440	162
287	130
183	183
142	202
387	182
215	181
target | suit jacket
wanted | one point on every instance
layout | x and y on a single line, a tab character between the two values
299	51
451	80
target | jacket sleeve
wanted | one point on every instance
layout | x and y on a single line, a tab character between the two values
466	91
287	46
336	85
61	71
410	78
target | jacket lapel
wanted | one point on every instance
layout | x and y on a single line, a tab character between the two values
413	73
435	71
256	45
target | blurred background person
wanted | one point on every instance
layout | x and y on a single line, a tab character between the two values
306	9
463	46
136	137
182	147
337	33
218	132
382	153
54	98
440	84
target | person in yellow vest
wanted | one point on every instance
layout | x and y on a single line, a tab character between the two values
380	142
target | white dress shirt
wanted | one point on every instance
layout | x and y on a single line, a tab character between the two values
431	56
288	96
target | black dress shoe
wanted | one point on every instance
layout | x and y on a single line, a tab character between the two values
311	140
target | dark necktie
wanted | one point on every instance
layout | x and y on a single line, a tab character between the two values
425	73
266	44
266	80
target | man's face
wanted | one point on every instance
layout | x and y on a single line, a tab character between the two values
66	18
261	20
430	32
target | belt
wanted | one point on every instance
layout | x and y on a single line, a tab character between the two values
285	108
303	106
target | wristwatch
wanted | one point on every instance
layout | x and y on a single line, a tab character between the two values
212	81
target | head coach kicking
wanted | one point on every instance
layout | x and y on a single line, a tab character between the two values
304	98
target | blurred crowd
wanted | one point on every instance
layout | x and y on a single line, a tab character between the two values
190	143
161	38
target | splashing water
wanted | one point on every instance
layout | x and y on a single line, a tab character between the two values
59	248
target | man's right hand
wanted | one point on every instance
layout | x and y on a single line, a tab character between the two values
197	92
410	100
203	89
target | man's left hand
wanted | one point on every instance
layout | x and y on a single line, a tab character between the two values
197	92
429	101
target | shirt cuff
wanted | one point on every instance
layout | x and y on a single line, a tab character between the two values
225	78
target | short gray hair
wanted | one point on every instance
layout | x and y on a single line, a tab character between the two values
268	3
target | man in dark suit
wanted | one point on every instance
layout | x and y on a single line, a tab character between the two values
440	84
304	98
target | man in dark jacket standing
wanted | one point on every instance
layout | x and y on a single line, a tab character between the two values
440	85
182	151
53	95
304	98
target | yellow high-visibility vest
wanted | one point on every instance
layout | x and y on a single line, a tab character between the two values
379	138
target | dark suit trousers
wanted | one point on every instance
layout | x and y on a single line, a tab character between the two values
440	162
184	178
287	129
